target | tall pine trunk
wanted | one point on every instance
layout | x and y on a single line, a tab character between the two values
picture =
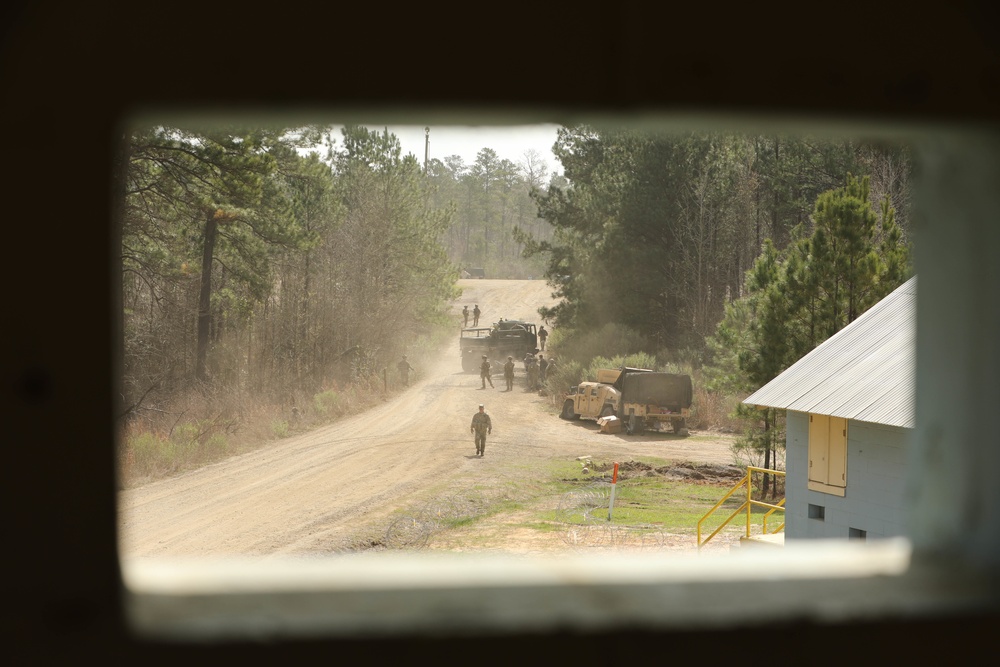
205	297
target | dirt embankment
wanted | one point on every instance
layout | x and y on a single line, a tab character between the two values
317	492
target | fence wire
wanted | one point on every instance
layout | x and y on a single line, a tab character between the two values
581	514
584	514
414	529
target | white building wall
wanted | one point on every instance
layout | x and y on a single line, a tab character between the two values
874	498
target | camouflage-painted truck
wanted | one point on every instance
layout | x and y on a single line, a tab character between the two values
641	398
507	338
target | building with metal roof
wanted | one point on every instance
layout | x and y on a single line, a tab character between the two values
850	414
865	371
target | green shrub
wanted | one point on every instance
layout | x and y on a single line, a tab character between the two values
279	427
567	374
611	339
145	454
214	448
326	402
185	432
634	360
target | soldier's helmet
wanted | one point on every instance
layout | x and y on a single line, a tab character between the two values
404	356
510	357
484	356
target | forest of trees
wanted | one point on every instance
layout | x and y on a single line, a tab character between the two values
272	264
265	265
722	254
658	233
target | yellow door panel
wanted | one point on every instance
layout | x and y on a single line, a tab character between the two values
819	448
838	452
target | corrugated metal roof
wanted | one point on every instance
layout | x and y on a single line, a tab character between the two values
865	371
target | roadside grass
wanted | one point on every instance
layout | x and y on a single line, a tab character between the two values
187	430
562	498
191	444
440	511
652	501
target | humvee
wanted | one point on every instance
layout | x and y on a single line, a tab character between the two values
640	397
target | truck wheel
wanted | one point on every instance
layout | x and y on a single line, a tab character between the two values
607	411
636	425
568	412
680	427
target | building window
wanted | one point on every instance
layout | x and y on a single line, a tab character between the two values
828	454
817	512
857	534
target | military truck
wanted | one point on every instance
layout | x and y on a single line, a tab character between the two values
641	398
505	338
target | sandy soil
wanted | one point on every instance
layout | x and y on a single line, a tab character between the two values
341	487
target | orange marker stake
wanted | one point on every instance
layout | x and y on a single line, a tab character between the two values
614	481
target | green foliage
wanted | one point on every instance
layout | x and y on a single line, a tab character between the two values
568	373
762	434
655	502
637	360
722	372
584	344
387	255
656	231
190	444
798	298
204	210
581	354
327	402
279	427
490	206
148	452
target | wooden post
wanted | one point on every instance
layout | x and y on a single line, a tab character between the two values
614	482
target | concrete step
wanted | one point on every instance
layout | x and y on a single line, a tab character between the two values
771	540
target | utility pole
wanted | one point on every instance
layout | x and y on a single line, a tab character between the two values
427	147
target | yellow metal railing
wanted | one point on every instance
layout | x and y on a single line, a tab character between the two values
747	506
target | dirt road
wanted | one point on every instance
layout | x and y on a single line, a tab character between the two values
316	493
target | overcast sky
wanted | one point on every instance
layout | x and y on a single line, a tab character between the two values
510	142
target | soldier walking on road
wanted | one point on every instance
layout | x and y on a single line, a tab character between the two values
542	335
475	315
404	368
465	317
542	365
481	425
508	373
484	372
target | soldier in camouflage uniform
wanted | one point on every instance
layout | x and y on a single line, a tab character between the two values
481	425
532	374
484	372
508	373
